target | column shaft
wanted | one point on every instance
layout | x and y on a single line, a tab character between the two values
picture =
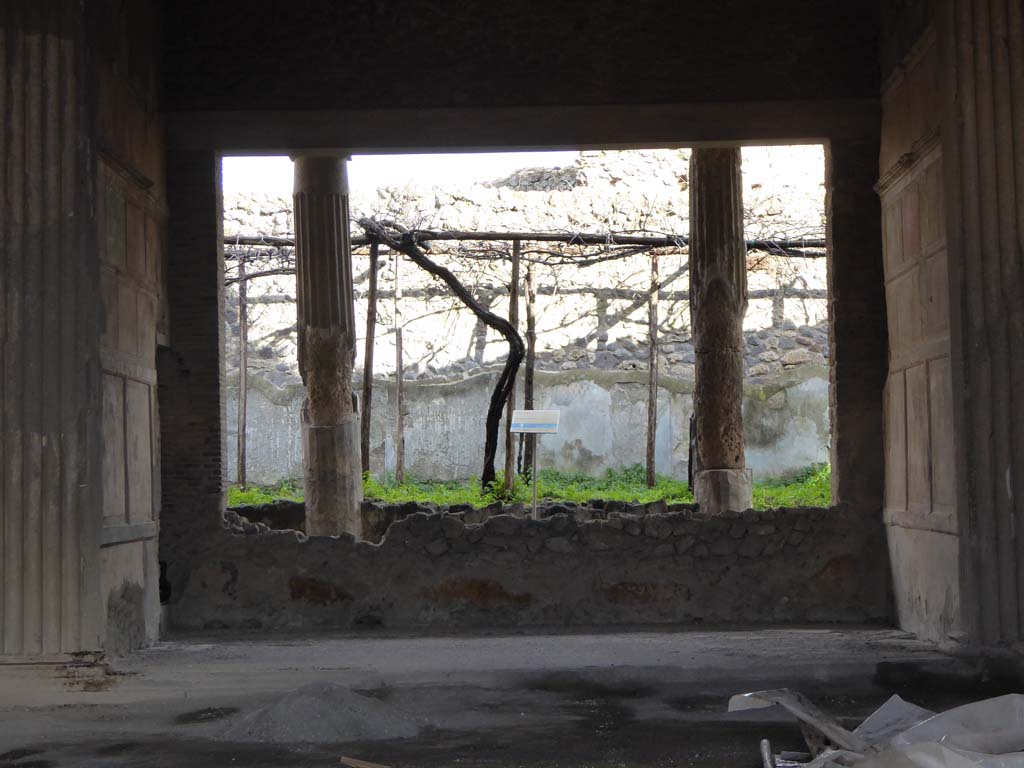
327	337
718	302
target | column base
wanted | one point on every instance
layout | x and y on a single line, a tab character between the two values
334	478
718	491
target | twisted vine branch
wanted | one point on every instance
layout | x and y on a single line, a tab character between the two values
398	238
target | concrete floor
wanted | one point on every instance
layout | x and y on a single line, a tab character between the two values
637	698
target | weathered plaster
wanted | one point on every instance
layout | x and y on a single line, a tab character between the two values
602	426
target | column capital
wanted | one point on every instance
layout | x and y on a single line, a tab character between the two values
335	152
320	174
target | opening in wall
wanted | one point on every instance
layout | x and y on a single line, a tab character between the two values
599	244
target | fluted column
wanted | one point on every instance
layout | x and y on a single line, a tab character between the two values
50	316
718	302
983	158
327	338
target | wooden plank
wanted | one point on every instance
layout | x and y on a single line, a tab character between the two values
603	239
399	376
531	356
652	368
371	333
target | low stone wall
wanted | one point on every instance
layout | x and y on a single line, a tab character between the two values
434	570
378	516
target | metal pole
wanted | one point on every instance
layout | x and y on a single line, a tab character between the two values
533	471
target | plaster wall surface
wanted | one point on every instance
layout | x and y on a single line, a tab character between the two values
603	425
926	583
920	488
130	222
130	234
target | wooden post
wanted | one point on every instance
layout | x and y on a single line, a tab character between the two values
327	342
652	378
243	364
399	377
478	345
531	355
371	331
718	302
513	318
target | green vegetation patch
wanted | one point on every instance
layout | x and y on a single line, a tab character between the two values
290	490
810	488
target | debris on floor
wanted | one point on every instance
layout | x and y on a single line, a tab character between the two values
982	734
321	713
353	762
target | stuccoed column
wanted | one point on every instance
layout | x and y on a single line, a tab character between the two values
718	302
327	339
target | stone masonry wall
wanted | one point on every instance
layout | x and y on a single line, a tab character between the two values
785	565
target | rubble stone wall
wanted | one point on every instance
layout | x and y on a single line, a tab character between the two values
434	570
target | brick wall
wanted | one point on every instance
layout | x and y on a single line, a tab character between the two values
190	369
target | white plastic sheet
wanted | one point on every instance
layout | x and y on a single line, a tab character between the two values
983	734
933	755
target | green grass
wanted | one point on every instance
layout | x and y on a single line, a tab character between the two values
627	484
264	494
438	492
810	488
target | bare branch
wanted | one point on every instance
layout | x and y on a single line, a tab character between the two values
395	238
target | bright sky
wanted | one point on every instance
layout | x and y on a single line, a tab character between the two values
273	175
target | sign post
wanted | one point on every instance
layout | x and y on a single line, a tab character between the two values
534	423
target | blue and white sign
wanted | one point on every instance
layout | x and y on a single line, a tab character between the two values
535	422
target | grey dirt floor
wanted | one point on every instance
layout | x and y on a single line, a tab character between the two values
645	697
